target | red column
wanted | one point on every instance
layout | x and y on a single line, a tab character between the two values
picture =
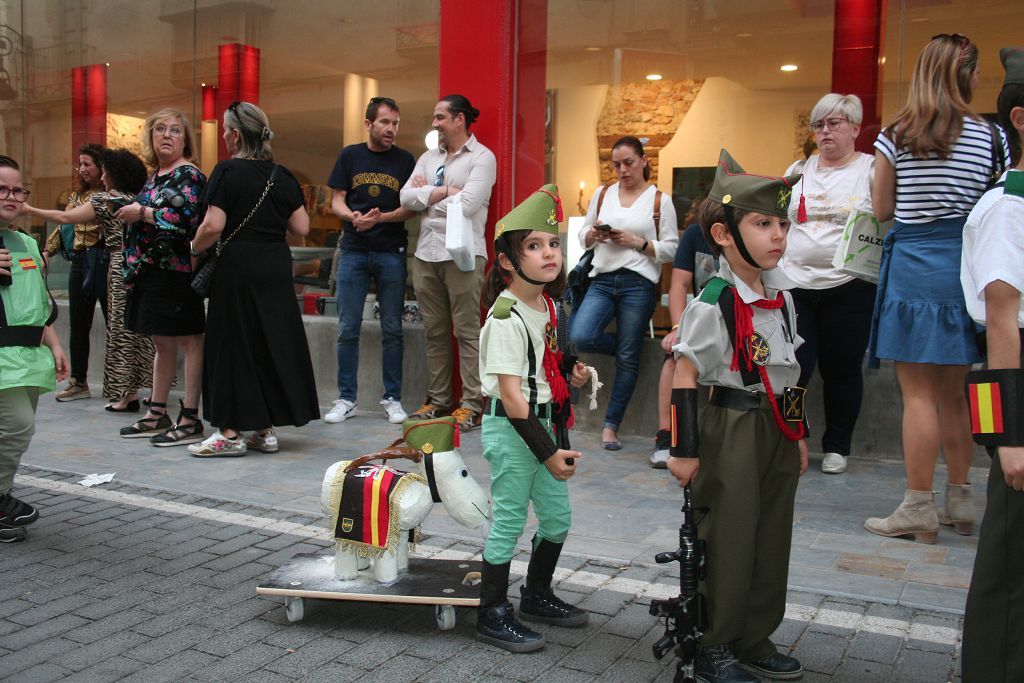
88	107
856	60
209	102
238	78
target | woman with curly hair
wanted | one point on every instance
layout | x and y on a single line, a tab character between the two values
932	164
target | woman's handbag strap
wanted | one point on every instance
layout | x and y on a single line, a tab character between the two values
266	190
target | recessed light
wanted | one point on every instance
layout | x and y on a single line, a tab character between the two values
592	49
654	77
744	35
918	20
106	63
788	67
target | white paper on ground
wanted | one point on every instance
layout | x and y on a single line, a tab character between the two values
94	479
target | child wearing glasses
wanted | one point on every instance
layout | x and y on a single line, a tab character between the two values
31	357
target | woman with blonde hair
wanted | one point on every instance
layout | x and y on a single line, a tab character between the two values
932	164
258	373
158	275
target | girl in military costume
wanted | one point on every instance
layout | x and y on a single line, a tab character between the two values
29	349
740	338
523	382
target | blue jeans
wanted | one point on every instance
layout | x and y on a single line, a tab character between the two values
355	268
630	299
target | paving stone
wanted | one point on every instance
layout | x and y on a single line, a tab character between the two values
13	606
172	567
400	668
39	613
240	662
605	602
598	653
572	637
875	647
100	608
243	556
165	623
30	655
630	670
40	673
246	572
41	632
174	669
113	669
170	644
918	665
295	662
862	671
101	650
561	674
470	665
382	647
228	532
107	626
239	637
337	672
820	652
236	614
789	632
633	621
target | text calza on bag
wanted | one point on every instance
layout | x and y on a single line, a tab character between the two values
458	237
860	250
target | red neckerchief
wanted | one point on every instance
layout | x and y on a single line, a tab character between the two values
553	361
741	352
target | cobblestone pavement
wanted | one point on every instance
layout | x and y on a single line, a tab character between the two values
124	582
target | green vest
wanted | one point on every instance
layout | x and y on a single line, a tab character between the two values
25	302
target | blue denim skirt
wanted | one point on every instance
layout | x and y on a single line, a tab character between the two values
920	315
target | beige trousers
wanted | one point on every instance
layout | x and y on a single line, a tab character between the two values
449	301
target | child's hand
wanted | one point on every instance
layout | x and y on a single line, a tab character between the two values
684	469
669	340
559	468
580	375
5	262
802	446
60	363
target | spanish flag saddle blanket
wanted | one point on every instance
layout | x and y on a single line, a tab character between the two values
364	513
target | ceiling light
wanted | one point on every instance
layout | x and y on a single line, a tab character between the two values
918	20
654	77
592	49
788	67
744	35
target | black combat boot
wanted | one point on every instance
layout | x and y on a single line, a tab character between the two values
539	603
496	621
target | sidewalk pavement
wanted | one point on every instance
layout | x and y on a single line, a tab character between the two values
132	583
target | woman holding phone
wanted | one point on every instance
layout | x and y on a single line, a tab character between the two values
632	228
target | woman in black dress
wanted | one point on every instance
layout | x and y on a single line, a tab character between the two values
257	372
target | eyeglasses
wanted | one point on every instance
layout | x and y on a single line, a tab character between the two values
439	176
172	131
20	194
831	124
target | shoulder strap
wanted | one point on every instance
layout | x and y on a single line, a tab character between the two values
713	289
270	183
600	199
657	212
727	306
531	360
998	165
503	307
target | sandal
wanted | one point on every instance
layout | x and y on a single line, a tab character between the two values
149	426
181	434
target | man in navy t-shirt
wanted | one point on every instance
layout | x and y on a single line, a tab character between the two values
366	180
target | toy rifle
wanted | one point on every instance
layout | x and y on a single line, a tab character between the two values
685	616
569	358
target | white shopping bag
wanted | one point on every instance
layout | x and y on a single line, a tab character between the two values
860	250
458	238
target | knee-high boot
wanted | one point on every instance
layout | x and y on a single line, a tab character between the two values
539	602
496	621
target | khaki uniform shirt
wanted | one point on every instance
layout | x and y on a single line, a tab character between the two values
704	339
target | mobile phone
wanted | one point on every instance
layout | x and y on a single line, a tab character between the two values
603	227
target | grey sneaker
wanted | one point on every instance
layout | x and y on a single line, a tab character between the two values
662	442
833	463
264	443
73	391
341	411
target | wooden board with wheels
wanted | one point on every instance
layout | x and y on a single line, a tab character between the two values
442	583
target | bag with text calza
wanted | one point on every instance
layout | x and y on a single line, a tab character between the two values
860	250
458	236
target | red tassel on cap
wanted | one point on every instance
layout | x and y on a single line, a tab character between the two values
559	216
801	212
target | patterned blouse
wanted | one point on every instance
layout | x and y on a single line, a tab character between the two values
112	229
164	245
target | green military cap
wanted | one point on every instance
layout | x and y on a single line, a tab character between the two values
431	436
1013	61
542	211
741	190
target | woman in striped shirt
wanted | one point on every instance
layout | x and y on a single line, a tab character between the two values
931	165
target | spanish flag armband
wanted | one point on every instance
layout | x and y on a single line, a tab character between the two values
995	400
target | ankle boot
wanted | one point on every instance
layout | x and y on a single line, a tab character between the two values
958	512
538	602
496	621
914	517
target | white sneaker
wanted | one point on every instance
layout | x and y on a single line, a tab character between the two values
833	463
341	410
659	459
218	446
264	443
393	408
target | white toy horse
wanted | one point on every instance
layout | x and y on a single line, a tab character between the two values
443	478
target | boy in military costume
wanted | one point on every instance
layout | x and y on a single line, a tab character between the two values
992	274
521	371
740	338
29	348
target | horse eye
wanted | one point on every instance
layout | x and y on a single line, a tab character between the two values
464	472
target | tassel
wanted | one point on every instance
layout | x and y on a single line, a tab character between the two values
801	212
559	216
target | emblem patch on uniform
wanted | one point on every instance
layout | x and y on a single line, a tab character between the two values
346	524
550	338
552	217
373	190
784	194
793	403
760	351
27	264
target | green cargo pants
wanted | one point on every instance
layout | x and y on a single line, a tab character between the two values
748	476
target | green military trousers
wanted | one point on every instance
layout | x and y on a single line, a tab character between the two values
748	476
993	647
517	479
17	425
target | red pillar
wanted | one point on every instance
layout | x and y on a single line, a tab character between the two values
238	78
856	60
209	102
88	107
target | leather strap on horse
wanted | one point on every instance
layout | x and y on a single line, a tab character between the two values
392	452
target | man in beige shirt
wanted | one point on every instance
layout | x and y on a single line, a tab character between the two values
449	298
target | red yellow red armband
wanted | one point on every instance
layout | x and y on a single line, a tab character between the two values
997	409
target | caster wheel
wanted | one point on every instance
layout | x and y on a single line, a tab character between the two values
445	615
294	609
